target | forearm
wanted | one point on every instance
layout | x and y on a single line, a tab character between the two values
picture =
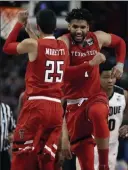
63	135
73	72
64	130
32	34
120	48
10	45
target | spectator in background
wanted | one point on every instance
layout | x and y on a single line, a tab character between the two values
7	125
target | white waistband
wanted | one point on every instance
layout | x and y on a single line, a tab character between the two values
44	98
76	101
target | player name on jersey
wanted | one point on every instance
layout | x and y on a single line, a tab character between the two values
114	110
56	52
80	54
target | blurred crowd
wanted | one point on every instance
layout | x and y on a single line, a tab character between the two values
109	17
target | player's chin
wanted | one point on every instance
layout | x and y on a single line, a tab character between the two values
110	86
79	39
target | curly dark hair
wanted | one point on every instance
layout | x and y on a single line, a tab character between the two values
80	14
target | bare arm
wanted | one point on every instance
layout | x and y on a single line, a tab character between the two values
65	40
30	32
11	46
65	144
20	103
112	41
116	42
64	130
104	39
29	46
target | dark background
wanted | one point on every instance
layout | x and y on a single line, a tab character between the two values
110	17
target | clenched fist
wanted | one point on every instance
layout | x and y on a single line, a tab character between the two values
23	17
118	70
97	59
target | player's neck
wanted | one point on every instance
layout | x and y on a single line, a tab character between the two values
45	35
109	92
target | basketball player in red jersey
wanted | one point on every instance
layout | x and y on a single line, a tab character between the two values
47	163
41	115
87	105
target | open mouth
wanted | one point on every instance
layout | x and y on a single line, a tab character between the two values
78	37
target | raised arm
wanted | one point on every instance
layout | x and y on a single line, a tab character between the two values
113	41
30	32
11	45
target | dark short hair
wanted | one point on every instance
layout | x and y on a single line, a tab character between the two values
80	14
46	19
108	64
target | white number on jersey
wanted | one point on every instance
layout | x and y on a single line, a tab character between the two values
51	64
86	74
111	124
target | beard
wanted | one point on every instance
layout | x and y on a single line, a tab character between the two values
78	38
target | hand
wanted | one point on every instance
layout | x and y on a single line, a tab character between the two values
123	132
28	27
97	59
22	17
65	147
30	32
118	70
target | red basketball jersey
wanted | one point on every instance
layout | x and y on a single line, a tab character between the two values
44	76
90	83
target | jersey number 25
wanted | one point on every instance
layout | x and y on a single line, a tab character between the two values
54	68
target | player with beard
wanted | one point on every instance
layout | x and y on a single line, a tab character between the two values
40	119
86	93
87	104
41	115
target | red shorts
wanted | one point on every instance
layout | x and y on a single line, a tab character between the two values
40	121
78	123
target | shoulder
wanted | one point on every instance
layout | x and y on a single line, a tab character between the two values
118	90
100	33
65	39
30	41
103	38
